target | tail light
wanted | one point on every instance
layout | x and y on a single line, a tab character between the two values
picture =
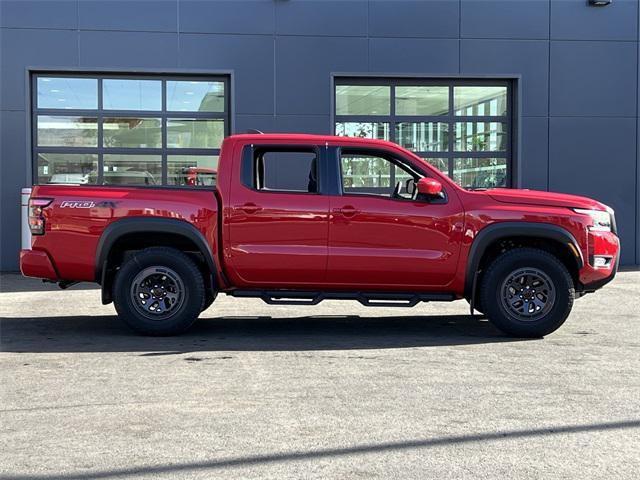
36	214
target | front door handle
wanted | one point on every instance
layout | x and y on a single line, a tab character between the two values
347	211
250	208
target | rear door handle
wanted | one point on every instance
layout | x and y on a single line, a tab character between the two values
347	211
250	208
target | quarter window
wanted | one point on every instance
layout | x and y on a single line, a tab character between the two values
128	130
461	127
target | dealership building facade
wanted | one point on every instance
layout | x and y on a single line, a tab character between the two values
539	94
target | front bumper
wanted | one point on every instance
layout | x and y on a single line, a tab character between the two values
37	263
601	244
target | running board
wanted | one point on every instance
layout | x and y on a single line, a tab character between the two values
368	299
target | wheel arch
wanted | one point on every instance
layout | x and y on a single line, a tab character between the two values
491	236
178	233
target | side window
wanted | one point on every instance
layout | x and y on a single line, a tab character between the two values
364	173
285	170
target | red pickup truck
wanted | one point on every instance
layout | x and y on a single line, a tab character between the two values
296	219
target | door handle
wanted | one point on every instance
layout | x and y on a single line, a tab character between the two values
347	211
250	208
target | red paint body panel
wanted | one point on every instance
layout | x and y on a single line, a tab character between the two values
393	245
311	241
72	234
36	263
604	244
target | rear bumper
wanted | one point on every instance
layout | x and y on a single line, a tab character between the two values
36	263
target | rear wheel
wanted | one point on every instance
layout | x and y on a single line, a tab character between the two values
159	291
527	292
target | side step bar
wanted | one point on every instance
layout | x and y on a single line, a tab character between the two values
368	299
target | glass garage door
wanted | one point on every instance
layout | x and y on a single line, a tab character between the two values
462	127
128	129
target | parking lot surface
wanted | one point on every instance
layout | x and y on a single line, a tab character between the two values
333	391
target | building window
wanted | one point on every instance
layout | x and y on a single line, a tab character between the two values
128	130
462	127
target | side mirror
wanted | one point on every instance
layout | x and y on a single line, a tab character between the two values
429	187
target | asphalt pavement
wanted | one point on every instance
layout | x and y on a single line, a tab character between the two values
336	391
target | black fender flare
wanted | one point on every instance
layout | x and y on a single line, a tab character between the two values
499	230
149	225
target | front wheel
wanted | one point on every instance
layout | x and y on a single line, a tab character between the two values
159	291
527	292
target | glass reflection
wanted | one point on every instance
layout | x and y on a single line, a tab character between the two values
480	137
480	101
194	133
377	130
441	164
132	132
363	100
474	173
423	136
132	169
127	94
195	96
67	93
67	168
67	131
422	100
192	170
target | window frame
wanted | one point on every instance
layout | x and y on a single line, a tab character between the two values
450	118
100	113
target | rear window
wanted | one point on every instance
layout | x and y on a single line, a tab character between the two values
282	169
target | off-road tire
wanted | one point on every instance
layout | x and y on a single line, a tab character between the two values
184	283
496	286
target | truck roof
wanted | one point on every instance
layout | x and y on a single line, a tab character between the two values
306	137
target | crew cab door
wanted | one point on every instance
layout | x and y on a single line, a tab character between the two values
278	218
381	237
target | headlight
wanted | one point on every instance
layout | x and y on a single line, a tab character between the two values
601	220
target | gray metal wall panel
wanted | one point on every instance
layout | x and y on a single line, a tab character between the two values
249	56
137	15
128	49
432	19
227	16
20	49
413	55
303	66
303	124
572	20
534	152
505	19
328	17
529	58
39	14
593	157
264	123
13	166
593	78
